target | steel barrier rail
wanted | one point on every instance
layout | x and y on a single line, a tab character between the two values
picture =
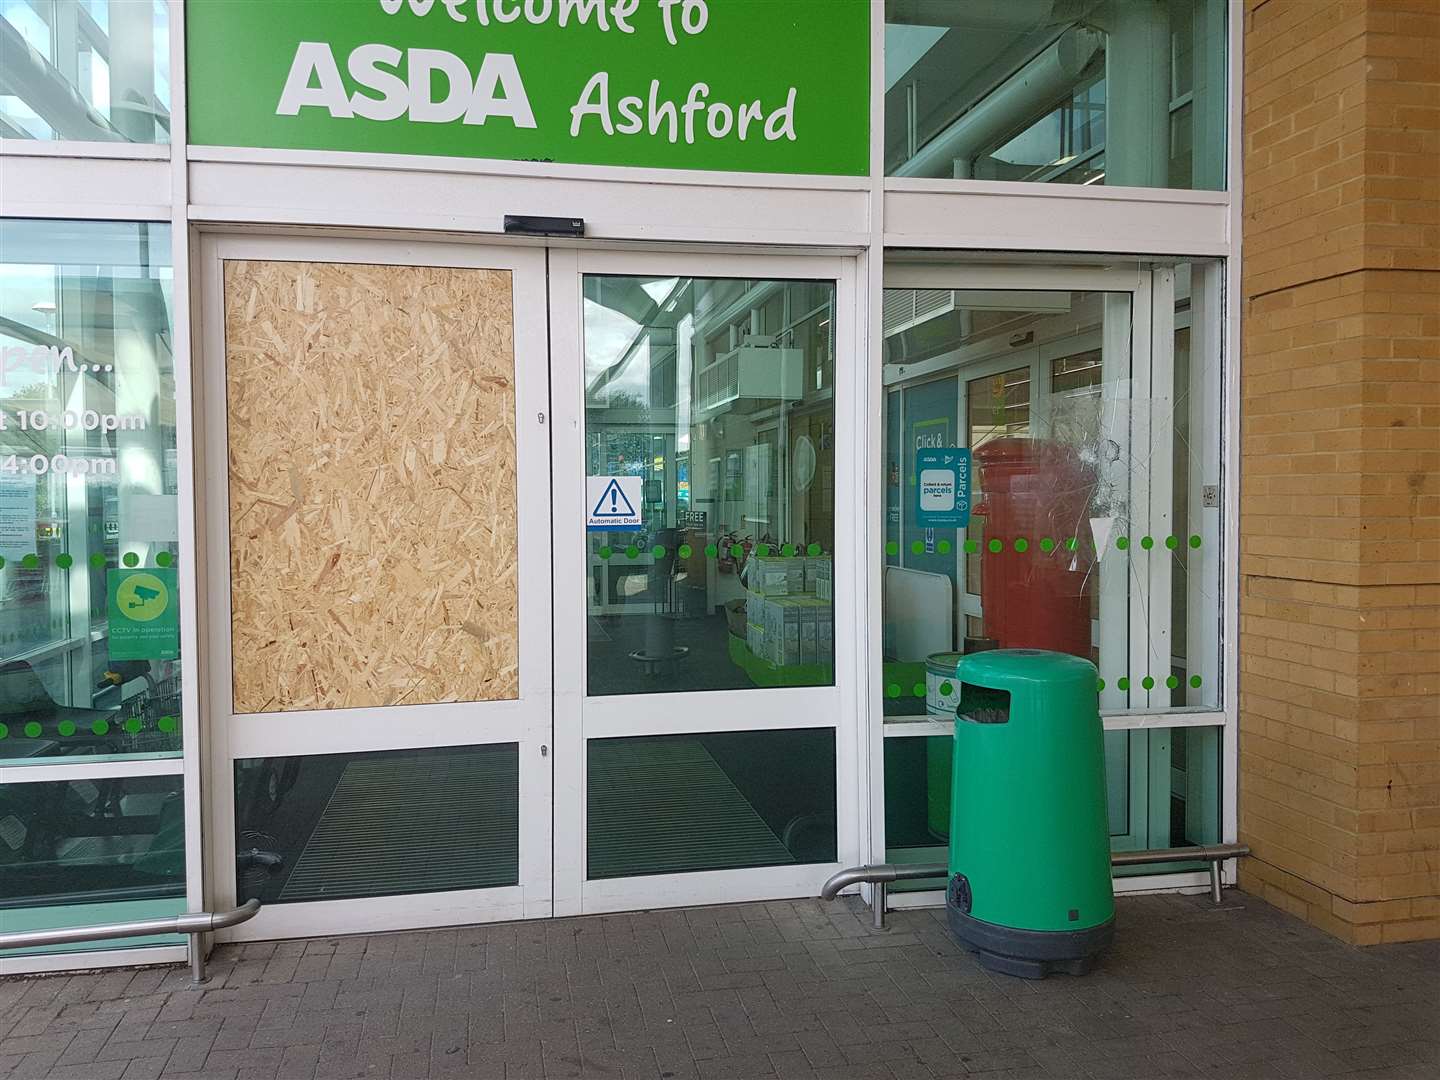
1214	854
194	924
881	875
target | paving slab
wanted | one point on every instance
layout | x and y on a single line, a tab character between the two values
794	990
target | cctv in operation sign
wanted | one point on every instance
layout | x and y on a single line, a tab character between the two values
737	85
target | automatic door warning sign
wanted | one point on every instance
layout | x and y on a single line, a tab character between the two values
613	502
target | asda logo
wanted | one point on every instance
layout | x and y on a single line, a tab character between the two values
496	89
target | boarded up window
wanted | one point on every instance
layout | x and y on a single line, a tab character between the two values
371	417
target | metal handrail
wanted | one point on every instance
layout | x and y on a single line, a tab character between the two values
882	874
193	924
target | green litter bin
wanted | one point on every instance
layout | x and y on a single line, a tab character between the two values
1029	889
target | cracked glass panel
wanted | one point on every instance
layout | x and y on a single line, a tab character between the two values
1093	434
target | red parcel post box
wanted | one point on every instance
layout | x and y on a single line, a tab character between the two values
1031	490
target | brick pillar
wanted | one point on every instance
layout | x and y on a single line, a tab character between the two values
1340	469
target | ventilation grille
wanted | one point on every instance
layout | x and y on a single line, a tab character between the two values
902	309
397	825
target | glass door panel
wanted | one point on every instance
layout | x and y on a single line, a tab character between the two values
1090	401
1014	368
706	402
706	760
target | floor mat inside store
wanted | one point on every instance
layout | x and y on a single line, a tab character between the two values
397	824
664	806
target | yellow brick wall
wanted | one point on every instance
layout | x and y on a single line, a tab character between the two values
1340	472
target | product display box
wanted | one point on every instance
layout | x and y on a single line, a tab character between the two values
789	617
799	575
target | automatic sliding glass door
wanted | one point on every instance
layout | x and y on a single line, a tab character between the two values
707	761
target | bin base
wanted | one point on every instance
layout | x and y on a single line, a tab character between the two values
1030	954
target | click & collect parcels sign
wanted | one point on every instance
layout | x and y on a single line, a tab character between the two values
737	85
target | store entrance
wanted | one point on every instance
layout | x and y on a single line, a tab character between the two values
521	580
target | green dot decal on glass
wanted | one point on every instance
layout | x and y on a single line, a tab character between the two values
892	548
918	689
947	688
166	724
1195	681
789	551
711	551
1172	542
813	550
164	559
1123	683
97	560
686	551
66	728
632	551
1072	543
658	551
1172	682
1047	545
996	546
736	551
943	547
1147	542
133	725
1148	683
917	548
32	730
30	562
1123	543
64	561
1022	545
971	547
893	690
2	561
606	551
1195	541
4	732
763	550
131	559
1099	684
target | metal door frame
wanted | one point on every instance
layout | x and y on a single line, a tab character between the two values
580	717
526	720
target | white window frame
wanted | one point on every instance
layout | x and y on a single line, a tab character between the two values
1149	358
581	717
851	216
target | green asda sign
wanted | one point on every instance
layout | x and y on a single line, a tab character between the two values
739	85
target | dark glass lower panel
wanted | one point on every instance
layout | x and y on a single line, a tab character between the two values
669	804
95	841
384	823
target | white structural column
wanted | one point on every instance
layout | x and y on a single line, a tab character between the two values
139	449
132	70
1208	98
1203	516
1115	481
1155	563
76	583
1137	93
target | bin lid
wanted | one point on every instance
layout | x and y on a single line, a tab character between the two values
944	663
1002	668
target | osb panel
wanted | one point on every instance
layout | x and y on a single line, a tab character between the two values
372	485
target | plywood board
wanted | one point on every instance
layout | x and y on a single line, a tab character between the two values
371	427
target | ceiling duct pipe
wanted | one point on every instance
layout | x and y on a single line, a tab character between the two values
971	14
30	77
1040	83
